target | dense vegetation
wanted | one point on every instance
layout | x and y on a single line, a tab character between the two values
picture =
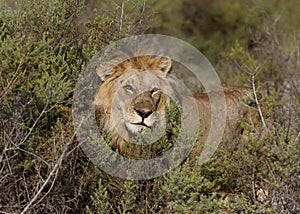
44	45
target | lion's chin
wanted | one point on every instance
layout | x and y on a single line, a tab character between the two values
137	128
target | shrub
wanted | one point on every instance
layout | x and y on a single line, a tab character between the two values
45	44
254	175
43	47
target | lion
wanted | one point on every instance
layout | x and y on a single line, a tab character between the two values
134	95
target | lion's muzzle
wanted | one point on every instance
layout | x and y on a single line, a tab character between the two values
142	113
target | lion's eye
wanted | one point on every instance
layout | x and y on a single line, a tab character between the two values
154	90
128	88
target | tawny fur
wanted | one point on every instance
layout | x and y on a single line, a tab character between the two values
112	79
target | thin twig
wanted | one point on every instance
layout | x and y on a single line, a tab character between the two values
297	53
53	172
2	212
258	104
23	150
142	13
296	139
252	74
144	6
3	151
122	15
253	184
44	111
13	81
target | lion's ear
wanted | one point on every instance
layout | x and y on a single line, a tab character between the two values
165	64
106	69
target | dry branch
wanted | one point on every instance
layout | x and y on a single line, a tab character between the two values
53	172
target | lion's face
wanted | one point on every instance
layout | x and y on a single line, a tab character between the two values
133	96
139	102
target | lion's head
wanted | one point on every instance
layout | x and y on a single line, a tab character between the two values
132	97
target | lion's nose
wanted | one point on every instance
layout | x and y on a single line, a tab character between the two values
144	113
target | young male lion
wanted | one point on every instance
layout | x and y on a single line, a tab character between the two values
134	95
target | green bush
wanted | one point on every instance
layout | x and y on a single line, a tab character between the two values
44	45
256	175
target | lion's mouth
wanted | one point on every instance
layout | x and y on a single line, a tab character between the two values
139	124
137	127
142	124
